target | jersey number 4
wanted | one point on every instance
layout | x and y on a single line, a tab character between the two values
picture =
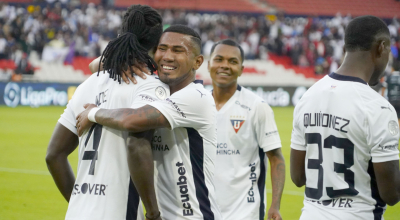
348	153
96	130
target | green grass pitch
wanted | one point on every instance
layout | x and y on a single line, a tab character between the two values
28	192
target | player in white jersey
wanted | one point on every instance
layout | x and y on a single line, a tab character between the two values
103	188
185	141
247	136
345	135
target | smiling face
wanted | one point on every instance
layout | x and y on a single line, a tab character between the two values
225	65
177	58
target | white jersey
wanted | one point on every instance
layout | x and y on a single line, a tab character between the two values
184	155
344	126
246	129
103	189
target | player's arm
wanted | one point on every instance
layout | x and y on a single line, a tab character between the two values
277	163
383	135
125	119
298	151
62	143
269	140
95	66
388	179
297	167
141	168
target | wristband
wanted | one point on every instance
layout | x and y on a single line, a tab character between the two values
92	113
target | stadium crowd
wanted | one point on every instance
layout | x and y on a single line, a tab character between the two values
85	30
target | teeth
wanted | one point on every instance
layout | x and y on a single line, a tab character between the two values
224	74
168	67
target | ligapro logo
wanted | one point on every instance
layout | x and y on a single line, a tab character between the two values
15	94
12	94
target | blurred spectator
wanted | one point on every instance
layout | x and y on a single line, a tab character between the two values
60	31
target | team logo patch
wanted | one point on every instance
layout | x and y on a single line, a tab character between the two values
237	124
393	128
161	93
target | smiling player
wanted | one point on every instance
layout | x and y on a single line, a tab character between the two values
247	136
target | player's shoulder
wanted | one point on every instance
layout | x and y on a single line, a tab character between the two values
88	85
251	99
375	104
194	95
150	80
196	91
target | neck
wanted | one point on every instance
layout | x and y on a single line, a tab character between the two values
357	64
223	94
176	87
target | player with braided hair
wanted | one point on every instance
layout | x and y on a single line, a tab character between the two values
103	188
140	31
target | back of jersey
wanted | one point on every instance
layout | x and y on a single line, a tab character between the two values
103	188
344	126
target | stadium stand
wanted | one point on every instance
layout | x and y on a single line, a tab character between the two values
75	34
381	8
199	5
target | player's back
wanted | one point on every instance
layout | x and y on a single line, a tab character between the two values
344	126
103	188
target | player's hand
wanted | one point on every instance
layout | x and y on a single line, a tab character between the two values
140	69
157	217
274	214
82	121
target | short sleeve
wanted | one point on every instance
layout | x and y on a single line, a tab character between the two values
186	108
149	92
383	135
265	128
298	138
68	118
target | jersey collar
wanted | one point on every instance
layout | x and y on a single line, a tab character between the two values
346	78
239	88
198	81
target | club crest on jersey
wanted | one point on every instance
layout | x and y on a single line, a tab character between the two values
161	93
237	122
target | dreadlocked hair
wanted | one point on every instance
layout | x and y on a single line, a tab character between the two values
141	30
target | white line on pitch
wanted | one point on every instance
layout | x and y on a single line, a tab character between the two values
12	170
39	172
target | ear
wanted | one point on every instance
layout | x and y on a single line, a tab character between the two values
198	61
380	48
208	66
241	71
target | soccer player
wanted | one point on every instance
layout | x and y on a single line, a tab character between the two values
103	188
247	136
185	141
345	135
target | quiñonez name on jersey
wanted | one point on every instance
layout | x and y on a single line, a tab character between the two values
326	120
90	189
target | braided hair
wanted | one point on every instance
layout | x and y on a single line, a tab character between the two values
141	30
